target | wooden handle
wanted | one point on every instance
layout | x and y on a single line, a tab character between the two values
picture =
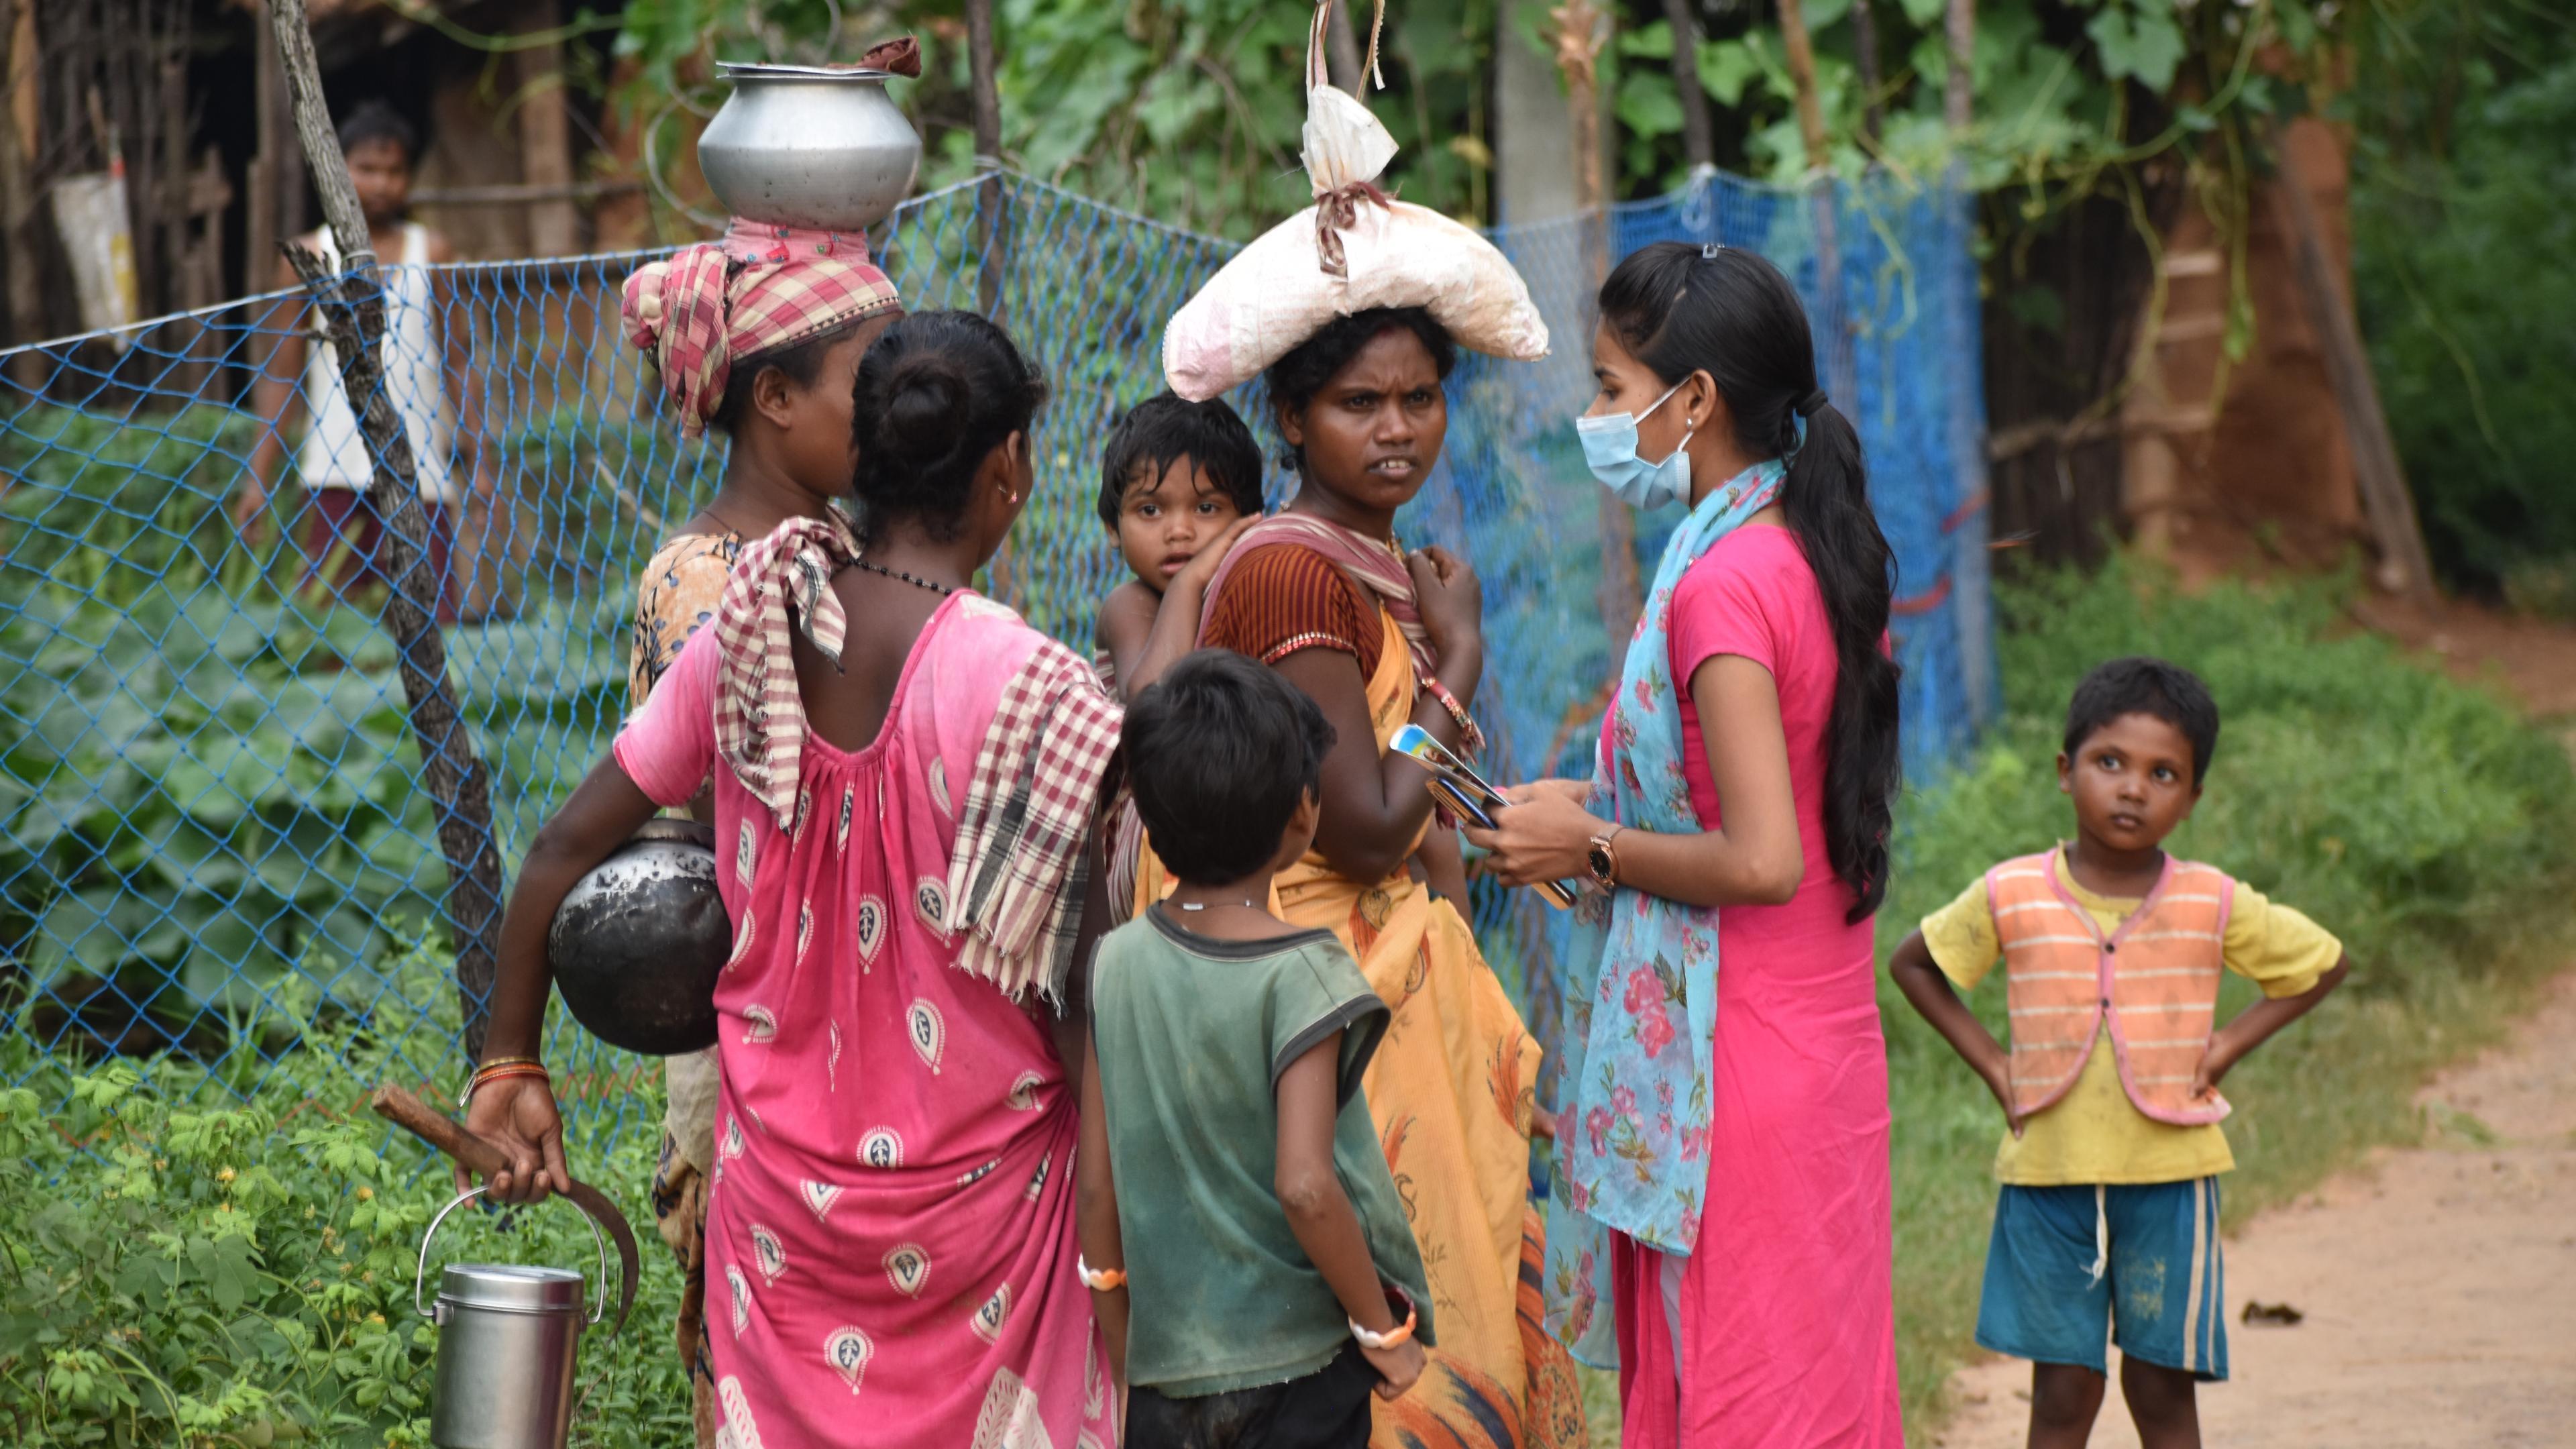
477	1154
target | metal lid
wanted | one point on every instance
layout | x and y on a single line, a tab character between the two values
510	1287
750	70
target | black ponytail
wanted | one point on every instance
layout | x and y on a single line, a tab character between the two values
1679	309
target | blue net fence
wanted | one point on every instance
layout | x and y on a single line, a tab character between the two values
216	847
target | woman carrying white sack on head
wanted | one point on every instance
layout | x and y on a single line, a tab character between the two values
1354	310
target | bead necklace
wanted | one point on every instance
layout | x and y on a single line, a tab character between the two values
878	568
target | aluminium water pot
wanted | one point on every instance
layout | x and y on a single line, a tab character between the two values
809	146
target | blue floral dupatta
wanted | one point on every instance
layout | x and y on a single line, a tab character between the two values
1632	1134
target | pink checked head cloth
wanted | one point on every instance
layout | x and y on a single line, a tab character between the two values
760	288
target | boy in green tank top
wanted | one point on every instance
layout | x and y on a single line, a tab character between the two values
1250	1260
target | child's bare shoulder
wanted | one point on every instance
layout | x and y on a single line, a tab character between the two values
1128	609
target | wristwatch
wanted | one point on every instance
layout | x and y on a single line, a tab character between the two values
1602	860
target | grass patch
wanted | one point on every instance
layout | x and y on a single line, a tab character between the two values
2423	821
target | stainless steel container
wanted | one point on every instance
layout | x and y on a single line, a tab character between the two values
806	145
508	1337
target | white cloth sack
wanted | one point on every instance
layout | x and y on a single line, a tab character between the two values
1282	289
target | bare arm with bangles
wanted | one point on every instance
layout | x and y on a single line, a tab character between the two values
511	1101
1375	803
1319	1214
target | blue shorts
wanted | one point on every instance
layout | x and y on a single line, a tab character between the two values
2162	1294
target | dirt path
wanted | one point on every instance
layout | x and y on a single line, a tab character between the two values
2439	1285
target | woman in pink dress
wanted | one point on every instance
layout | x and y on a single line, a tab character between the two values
1720	1220
905	816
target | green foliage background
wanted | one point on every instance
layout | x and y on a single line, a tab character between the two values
2461	214
178	1273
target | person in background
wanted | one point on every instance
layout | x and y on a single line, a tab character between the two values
427	378
1274	1283
2112	953
1723	1209
793	313
908	779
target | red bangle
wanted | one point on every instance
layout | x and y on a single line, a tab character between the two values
1471	740
501	1072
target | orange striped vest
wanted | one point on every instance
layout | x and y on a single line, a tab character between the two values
2155	981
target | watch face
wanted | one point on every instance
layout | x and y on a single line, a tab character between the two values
1598	857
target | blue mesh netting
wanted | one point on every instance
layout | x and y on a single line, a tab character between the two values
215	833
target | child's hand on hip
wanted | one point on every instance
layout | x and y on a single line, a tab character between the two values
1998	1078
1397	1368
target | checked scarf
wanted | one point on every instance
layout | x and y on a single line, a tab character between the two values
779	583
1019	867
762	288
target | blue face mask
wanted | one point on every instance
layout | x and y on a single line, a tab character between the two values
1610	451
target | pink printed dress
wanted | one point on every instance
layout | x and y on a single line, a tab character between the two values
1784	1310
890	1230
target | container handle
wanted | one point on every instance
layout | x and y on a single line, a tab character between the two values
420	1274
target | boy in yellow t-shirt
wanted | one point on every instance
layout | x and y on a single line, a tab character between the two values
2112	952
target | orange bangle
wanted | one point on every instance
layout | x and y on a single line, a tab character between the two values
1099	1280
1394	1337
501	1072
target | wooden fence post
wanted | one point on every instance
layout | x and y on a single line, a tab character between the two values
1842	373
352	308
992	199
1972	523
1581	31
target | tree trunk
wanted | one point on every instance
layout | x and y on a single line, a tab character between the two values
545	135
1865	58
1972	518
1699	134
2390	507
1581	31
992	222
18	116
1842	373
352	309
1959	87
1342	51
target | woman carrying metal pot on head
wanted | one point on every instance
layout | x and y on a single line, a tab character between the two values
890	1237
1721	1222
757	336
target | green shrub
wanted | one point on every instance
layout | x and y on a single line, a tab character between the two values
173	1273
207	781
2470	344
